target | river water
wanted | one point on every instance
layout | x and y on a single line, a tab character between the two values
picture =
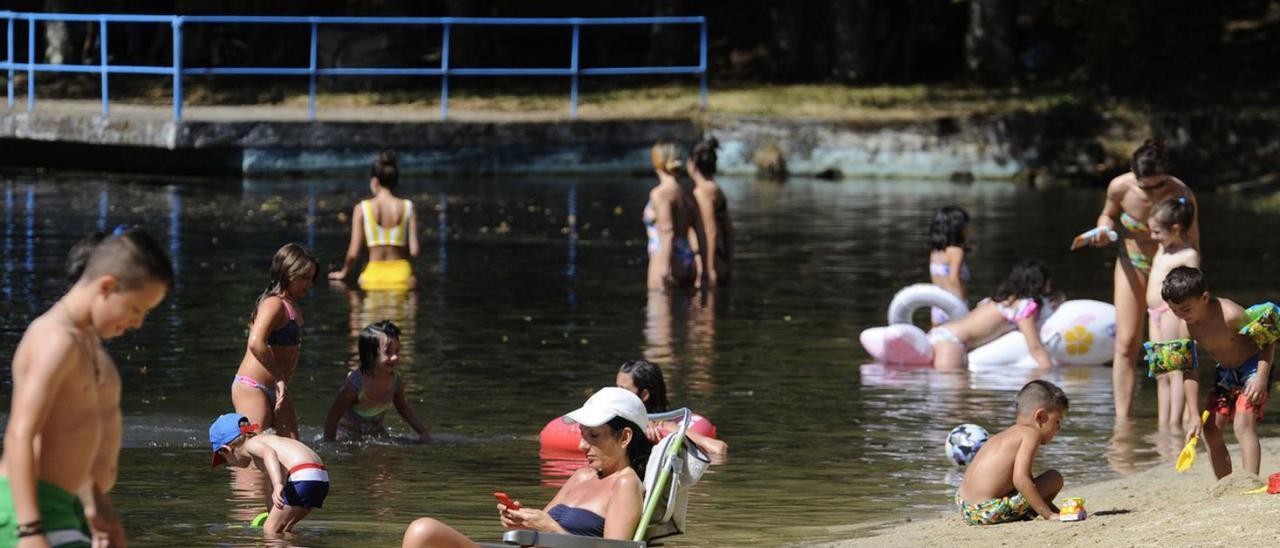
532	293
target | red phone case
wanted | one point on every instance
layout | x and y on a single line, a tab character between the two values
504	500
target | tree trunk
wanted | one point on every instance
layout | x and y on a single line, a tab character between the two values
852	37
664	48
788	61
57	38
988	42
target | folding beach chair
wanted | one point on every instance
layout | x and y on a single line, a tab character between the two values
674	466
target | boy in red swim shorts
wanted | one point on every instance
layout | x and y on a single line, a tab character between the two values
1243	341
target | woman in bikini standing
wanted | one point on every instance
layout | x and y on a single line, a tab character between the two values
387	226
671	220
1130	199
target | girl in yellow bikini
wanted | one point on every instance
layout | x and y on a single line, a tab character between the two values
390	230
1130	199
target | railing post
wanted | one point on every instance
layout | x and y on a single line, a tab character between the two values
444	74
311	104
177	68
9	57
102	49
702	61
573	65
31	64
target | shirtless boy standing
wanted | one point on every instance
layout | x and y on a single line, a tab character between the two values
63	436
998	486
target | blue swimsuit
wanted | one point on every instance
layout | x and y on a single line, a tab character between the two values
578	521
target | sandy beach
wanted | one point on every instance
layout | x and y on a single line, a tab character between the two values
1156	507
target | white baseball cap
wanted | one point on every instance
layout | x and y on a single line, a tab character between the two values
607	403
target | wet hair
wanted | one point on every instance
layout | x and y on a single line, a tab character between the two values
1182	283
1149	159
947	228
288	263
1028	279
370	343
1175	211
665	157
1041	395
647	375
639	448
385	170
704	156
130	256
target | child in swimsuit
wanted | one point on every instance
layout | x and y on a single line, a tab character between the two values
948	244
1170	351
1019	303
713	207
299	481
1243	341
63	437
368	393
993	490
388	228
275	341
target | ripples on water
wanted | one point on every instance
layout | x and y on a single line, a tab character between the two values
533	293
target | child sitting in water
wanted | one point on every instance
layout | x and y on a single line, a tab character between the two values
367	394
1243	341
1169	224
299	481
998	487
62	442
1018	303
948	243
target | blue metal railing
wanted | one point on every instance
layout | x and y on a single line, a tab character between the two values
104	68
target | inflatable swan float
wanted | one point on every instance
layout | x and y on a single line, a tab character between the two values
1080	332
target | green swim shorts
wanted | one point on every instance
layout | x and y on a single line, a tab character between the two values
1011	507
60	512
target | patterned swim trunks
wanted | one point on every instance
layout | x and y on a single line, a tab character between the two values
1011	507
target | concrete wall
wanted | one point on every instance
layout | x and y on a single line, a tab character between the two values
1073	143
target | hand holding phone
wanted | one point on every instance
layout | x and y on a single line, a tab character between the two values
504	500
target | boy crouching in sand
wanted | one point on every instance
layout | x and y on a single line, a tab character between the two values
63	438
998	487
1243	341
299	481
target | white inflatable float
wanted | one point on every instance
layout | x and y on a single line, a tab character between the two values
1080	332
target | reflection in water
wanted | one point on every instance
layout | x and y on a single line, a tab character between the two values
29	262
400	307
251	493
311	217
8	242
104	206
666	316
1121	454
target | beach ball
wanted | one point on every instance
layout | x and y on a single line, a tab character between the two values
963	443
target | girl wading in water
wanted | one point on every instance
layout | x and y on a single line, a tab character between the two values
1130	199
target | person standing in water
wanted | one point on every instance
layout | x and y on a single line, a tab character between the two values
948	244
670	219
388	227
713	211
275	342
1130	199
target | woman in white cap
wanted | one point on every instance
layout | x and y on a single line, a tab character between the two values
603	499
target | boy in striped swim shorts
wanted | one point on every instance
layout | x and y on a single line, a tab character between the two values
299	481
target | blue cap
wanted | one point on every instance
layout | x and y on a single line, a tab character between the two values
225	430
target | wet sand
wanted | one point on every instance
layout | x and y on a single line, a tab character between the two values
1149	508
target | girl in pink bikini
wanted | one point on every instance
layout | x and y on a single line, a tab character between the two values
1170	351
1018	303
275	340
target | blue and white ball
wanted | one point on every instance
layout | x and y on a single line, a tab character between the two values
963	443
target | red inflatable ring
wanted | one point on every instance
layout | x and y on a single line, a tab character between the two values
559	437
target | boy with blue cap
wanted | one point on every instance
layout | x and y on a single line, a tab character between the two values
299	481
